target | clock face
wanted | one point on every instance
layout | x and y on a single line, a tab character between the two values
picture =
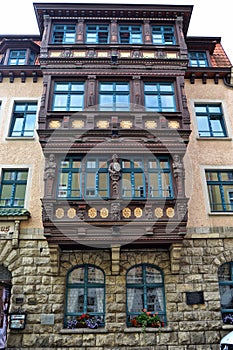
116	166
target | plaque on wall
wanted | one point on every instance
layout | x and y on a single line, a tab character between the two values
17	320
193	298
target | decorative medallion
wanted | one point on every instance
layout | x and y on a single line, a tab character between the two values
59	213
54	124
78	124
126	213
126	124
173	124
150	124
158	212
138	212
102	124
92	213
71	213
104	213
170	212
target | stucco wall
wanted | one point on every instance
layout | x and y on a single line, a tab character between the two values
23	152
209	153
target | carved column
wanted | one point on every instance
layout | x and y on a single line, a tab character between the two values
137	95
91	83
178	172
45	37
113	32
147	32
80	31
49	175
115	175
184	104
181	39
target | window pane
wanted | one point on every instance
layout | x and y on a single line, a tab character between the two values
135	300
153	275
155	300
226	295
76	276
95	300
75	300
95	275
134	275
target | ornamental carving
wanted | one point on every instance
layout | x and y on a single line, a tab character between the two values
126	213
92	213
115	175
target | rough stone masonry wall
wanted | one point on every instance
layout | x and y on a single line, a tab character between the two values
190	327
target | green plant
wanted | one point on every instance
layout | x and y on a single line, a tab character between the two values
147	319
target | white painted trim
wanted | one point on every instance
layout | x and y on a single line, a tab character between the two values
203	168
225	116
29	167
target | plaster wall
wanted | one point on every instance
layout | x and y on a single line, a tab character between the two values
23	152
207	153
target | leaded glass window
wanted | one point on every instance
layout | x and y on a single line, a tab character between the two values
145	290
85	293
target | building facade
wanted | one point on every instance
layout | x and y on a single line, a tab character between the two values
132	163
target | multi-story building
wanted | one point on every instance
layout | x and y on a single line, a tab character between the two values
136	209
21	164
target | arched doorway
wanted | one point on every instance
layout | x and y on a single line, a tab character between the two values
5	287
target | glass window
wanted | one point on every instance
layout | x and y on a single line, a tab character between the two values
13	187
220	190
130	34
210	120
85	294
159	97
163	35
23	119
225	278
145	290
64	34
97	178
17	57
70	178
68	96
198	59
159	178
114	97
133	179
97	34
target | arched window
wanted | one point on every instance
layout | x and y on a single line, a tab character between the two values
225	278
85	294
145	290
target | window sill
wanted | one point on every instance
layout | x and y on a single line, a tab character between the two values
221	213
227	326
83	330
214	138
147	330
20	138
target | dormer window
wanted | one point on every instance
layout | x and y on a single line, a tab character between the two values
198	59
17	57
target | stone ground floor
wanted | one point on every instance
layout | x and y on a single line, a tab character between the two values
38	279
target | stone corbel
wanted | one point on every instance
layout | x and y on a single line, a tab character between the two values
15	236
54	252
175	254
115	255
